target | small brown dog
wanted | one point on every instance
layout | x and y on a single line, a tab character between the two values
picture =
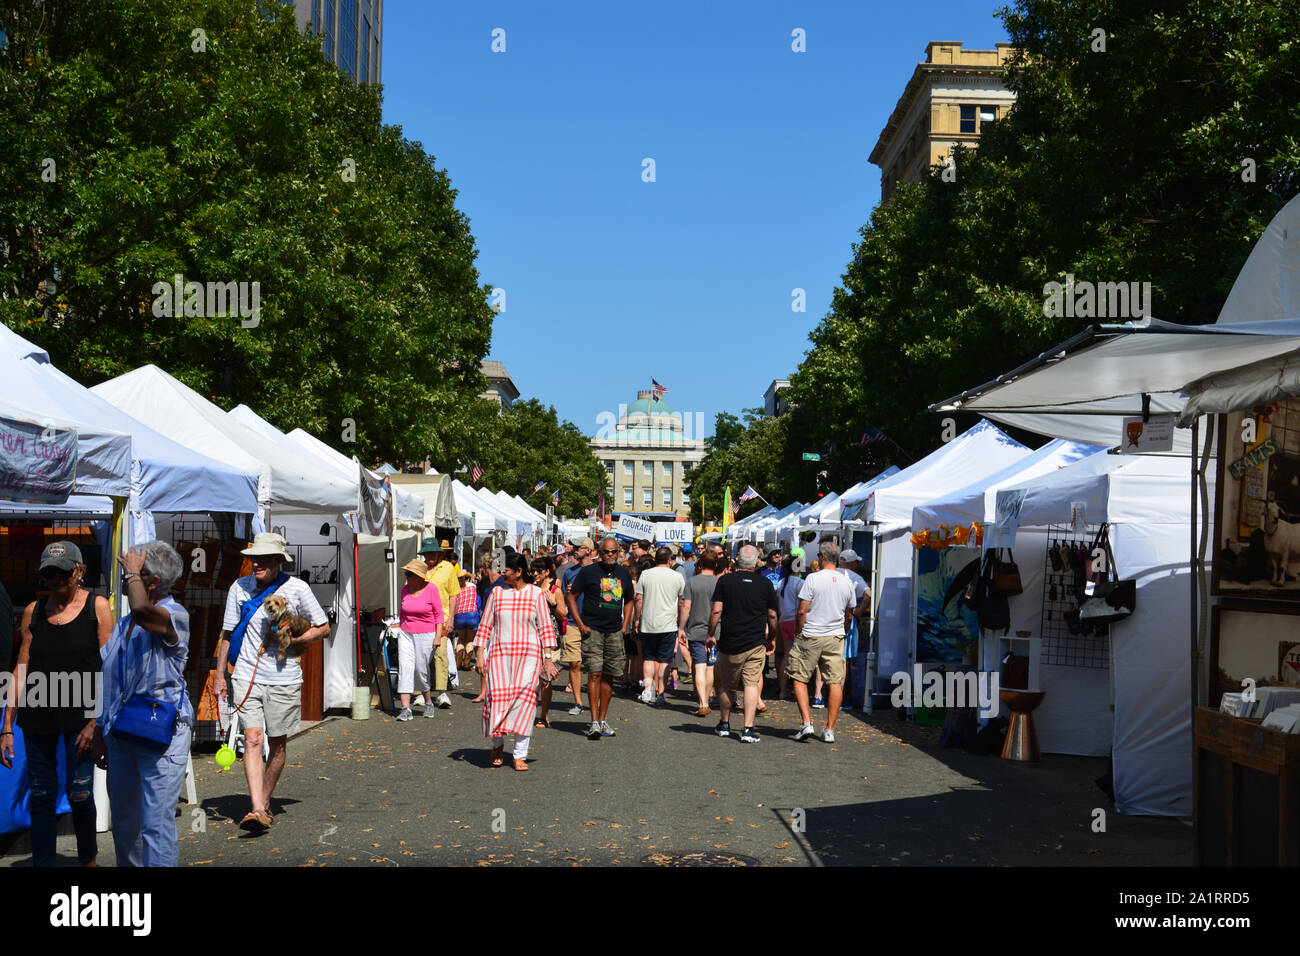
283	625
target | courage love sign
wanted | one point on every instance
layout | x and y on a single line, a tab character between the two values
37	462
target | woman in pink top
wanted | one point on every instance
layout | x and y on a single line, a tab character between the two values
420	623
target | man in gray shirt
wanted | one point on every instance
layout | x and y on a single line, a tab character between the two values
693	628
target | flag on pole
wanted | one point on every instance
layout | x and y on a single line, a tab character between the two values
658	390
600	505
749	494
476	471
728	513
871	435
539	486
555	500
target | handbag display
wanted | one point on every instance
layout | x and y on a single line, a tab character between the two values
1006	575
145	720
1112	600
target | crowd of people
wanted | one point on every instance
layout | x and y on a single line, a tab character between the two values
641	620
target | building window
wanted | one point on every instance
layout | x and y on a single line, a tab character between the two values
645	497
668	498
365	48
649	469
627	469
687	465
686	499
609	468
668	469
968	119
987	114
627	496
327	28
347	60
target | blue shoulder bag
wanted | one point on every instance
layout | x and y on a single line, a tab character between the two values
246	612
144	720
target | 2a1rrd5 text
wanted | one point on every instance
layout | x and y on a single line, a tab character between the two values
1192	896
182	299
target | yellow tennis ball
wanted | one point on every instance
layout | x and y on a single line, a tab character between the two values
225	757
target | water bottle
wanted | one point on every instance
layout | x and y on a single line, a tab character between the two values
711	656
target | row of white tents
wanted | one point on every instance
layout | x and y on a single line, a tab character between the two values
152	452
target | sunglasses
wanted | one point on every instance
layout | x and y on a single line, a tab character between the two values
607	551
55	576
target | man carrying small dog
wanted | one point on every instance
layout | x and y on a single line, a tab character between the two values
267	691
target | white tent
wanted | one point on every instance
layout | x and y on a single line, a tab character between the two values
1146	500
978	501
485	520
410	506
982	450
483	502
754	531
286	483
520	512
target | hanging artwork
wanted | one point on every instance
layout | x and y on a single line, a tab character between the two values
947	631
1256	548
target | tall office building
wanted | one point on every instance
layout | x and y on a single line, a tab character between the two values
351	33
948	100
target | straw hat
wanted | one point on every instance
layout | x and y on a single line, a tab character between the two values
267	543
418	568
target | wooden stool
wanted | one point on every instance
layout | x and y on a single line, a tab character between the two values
1021	743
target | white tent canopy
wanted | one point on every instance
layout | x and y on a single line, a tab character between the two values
484	505
1146	500
979	451
286	483
978	500
410	506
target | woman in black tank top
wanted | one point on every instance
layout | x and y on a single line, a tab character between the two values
57	671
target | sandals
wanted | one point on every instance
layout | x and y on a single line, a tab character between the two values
541	722
256	821
520	765
498	755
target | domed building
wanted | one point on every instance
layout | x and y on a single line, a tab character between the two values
646	450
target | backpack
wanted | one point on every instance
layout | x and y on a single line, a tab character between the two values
989	603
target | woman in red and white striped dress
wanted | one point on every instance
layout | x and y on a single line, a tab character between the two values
516	630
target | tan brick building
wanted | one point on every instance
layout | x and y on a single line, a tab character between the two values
948	100
646	454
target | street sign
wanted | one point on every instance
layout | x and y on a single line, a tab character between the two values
811	456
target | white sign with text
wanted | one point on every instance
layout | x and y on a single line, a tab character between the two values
677	532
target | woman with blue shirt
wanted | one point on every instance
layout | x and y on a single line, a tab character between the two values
145	658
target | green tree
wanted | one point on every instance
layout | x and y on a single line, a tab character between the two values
1123	165
234	155
530	444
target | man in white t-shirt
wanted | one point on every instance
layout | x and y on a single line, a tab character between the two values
658	596
267	691
826	603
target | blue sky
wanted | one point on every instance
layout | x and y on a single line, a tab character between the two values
762	179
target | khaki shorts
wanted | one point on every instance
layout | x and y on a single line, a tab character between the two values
275	708
811	653
571	645
602	653
745	668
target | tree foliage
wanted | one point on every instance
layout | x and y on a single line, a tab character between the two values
234	163
1123	165
530	444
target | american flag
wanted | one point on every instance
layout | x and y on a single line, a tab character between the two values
475	471
658	389
555	500
870	435
589	512
749	493
539	486
600	505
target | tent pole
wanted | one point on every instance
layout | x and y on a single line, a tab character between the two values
356	594
115	568
1195	628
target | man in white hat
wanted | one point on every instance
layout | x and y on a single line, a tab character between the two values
267	691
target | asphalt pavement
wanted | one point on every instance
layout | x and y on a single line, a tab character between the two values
664	791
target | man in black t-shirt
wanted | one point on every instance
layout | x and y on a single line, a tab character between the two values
605	612
746	605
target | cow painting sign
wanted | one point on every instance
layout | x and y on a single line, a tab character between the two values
1257	514
37	462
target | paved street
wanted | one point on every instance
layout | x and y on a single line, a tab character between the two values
382	793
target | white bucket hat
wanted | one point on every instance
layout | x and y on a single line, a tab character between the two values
268	543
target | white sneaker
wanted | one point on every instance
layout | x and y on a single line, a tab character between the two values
575	710
443	701
647	696
828	735
405	714
804	732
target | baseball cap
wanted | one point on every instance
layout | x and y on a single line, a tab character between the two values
63	555
583	543
768	555
850	555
